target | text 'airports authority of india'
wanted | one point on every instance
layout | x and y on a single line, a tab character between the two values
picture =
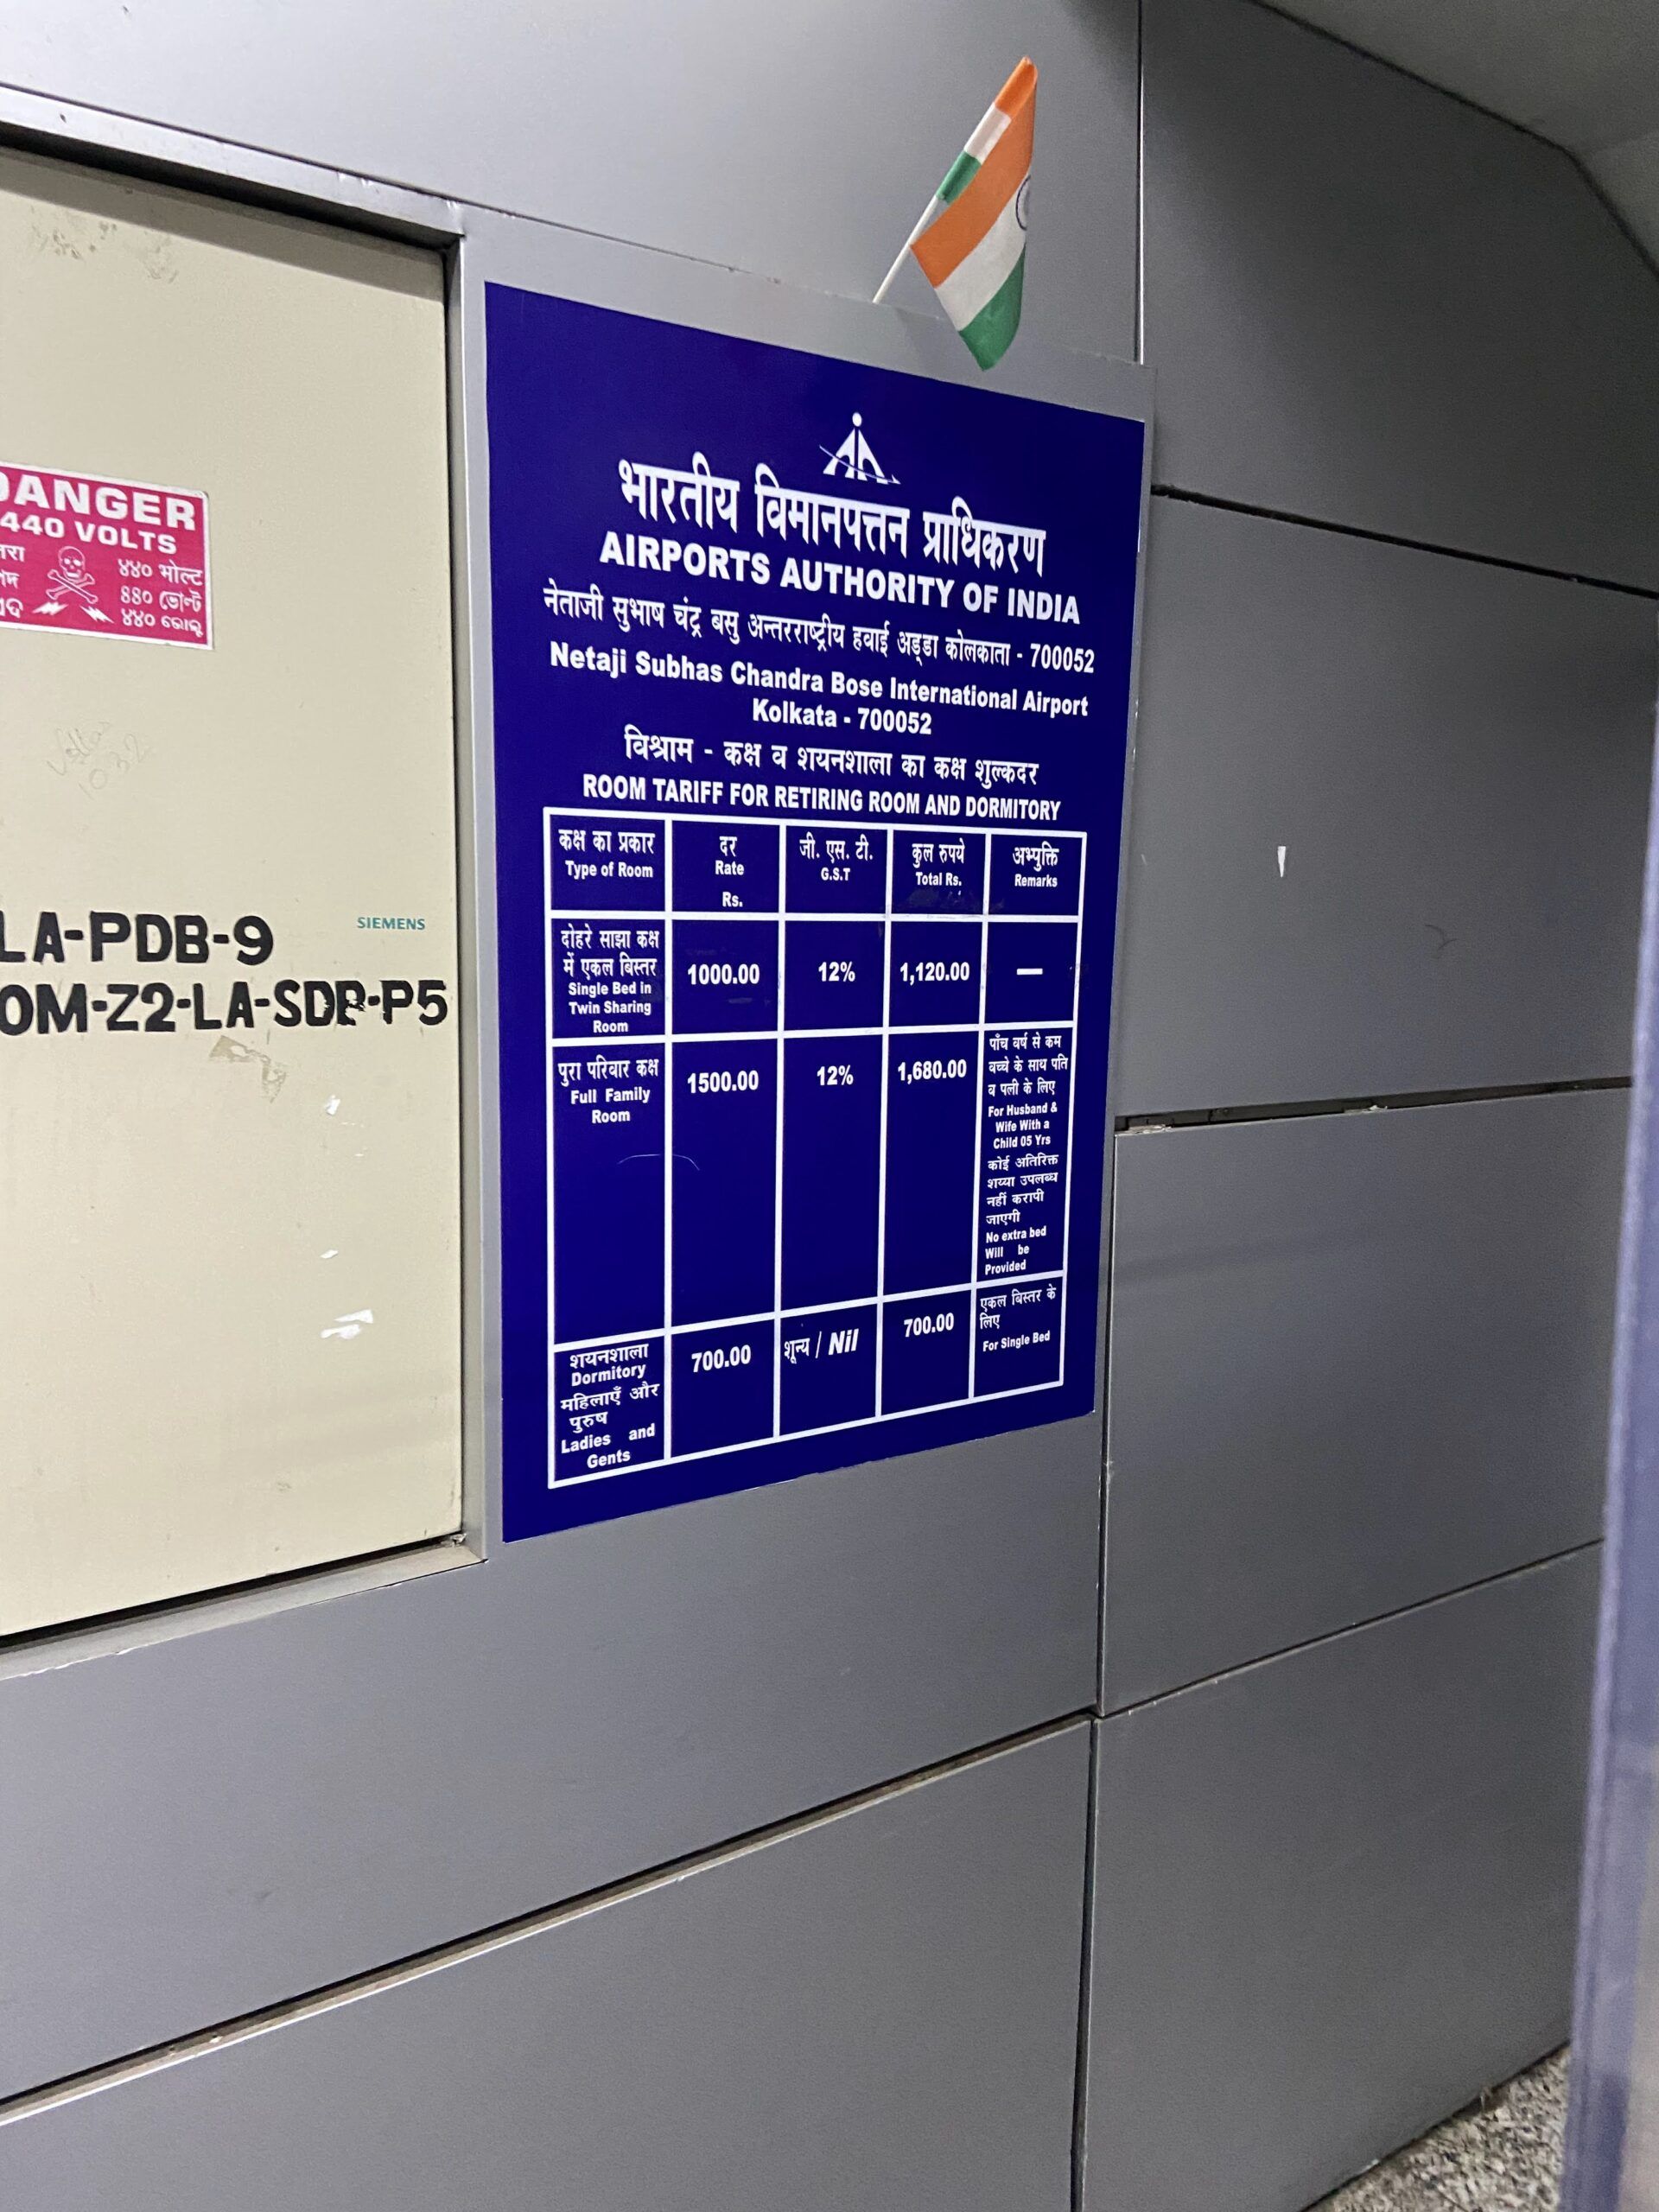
878	670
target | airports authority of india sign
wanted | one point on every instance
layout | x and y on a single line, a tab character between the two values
812	689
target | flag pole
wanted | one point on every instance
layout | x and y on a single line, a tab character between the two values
922	222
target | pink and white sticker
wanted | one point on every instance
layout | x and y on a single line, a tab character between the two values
102	557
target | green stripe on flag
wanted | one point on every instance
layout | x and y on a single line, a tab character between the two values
957	177
990	334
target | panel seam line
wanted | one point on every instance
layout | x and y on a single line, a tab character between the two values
1400	1102
245	2026
1333	1634
1080	2088
1650	592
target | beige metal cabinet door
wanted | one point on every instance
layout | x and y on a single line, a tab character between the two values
229	1255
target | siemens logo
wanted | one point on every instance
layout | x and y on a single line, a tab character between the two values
392	921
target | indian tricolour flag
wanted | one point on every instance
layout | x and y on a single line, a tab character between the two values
971	241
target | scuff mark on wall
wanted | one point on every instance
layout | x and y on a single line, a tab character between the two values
272	1074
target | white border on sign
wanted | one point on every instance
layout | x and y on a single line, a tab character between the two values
134	637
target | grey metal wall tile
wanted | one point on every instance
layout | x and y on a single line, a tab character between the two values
1370	303
1336	1896
220	1821
1356	1360
876	2011
798	141
1387	819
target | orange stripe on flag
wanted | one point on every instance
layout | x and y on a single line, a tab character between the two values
1022	83
949	241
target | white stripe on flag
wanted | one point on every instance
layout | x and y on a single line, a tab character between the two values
980	276
986	133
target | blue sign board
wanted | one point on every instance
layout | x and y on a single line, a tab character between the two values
811	703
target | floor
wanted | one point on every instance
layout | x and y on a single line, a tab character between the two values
1502	2155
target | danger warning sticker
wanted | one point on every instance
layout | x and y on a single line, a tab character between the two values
102	557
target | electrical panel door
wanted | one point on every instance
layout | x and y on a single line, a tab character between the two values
229	1073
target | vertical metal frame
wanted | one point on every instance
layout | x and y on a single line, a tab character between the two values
1126	848
1608	2161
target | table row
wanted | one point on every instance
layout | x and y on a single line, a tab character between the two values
615	863
709	975
636	1401
742	1178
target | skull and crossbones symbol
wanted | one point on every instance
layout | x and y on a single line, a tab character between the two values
71	579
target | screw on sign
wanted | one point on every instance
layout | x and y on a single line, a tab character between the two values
103	557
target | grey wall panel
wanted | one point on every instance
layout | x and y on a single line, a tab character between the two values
223	1820
876	2011
1455	758
1336	1896
798	141
1356	1360
1369	303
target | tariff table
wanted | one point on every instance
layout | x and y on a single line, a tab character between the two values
809	1107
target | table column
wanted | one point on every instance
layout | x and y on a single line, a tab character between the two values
936	994
606	997
835	983
1030	1006
722	1135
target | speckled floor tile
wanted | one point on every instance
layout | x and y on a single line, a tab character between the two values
1503	2155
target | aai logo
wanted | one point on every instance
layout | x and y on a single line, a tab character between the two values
854	458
